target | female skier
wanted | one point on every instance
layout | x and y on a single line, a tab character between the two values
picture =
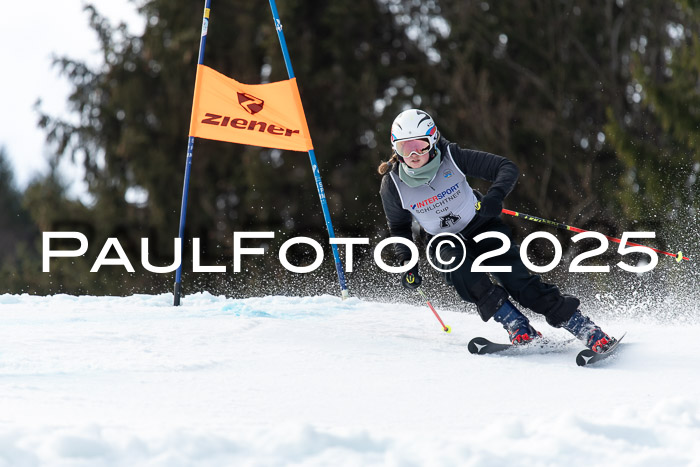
426	179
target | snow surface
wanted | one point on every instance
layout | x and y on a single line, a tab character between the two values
93	381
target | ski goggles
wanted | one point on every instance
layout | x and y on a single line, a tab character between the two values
406	148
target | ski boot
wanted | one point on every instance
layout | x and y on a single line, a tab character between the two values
586	330
518	326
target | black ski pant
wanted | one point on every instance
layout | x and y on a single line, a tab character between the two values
526	288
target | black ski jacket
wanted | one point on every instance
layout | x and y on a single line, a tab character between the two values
486	166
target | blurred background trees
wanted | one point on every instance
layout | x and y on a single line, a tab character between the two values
597	102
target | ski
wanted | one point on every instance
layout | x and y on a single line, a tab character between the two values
588	357
483	346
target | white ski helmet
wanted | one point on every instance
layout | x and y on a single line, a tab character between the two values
414	124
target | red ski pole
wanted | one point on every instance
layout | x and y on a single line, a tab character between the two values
678	256
447	329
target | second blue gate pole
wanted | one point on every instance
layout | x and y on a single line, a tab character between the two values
312	159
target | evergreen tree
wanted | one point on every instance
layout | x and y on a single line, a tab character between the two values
656	134
134	113
15	224
533	80
546	84
661	151
17	232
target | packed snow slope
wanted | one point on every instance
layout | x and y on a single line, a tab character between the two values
93	381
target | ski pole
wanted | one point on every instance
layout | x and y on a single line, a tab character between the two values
410	280
679	256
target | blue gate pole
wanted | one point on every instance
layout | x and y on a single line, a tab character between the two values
312	159
188	164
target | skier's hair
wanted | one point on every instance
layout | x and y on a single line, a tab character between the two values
384	167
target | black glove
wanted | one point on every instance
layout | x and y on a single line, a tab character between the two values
490	205
410	279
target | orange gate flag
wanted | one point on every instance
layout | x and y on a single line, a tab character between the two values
268	115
